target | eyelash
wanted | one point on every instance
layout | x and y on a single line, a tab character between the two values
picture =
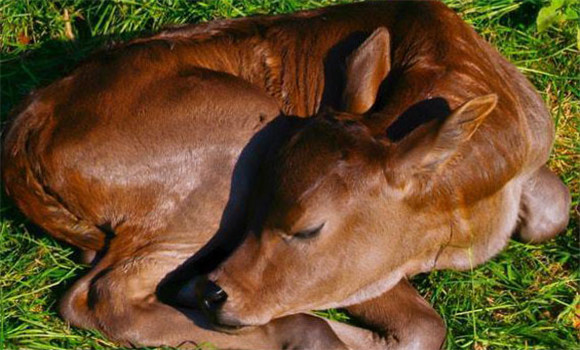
307	234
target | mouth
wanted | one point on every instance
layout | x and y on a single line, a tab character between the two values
231	329
223	324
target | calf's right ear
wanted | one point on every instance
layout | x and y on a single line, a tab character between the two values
366	68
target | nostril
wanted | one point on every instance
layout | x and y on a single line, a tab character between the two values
213	295
187	294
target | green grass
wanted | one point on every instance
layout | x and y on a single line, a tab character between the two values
525	298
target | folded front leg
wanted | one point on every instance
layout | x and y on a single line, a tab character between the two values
119	299
403	318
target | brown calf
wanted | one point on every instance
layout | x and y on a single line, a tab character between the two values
433	168
131	156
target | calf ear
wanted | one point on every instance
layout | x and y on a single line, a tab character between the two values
366	68
458	128
428	151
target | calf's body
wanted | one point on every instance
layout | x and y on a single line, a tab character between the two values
145	151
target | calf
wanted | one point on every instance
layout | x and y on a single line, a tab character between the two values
433	168
147	150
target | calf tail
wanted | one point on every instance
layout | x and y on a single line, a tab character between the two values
22	176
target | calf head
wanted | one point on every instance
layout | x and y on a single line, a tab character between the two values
330	223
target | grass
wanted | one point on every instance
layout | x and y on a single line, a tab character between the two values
525	298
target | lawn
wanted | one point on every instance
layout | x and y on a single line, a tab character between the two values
525	298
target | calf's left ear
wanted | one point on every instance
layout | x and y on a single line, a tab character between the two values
366	68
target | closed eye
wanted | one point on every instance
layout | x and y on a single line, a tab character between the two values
309	233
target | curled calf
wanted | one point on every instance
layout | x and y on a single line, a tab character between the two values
433	168
427	145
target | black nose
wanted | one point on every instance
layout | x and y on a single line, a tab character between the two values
213	295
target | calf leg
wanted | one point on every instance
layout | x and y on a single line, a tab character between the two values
545	205
402	318
118	299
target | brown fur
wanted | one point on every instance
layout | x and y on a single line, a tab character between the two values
132	155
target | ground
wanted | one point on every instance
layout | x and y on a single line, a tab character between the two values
525	298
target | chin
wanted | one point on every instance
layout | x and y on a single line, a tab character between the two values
229	329
227	323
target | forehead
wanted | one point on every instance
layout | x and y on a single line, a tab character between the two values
307	159
301	175
324	160
323	155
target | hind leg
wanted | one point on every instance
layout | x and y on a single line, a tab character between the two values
545	206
